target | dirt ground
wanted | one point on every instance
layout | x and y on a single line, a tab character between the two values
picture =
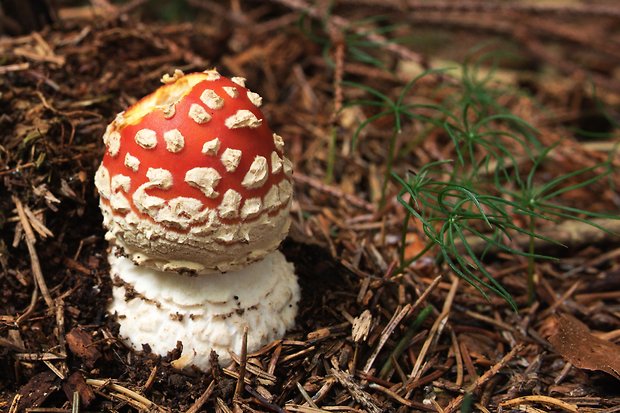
369	336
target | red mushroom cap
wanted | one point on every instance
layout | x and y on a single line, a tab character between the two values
193	178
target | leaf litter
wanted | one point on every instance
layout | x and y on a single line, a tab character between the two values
451	347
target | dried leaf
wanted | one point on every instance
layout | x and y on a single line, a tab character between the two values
584	350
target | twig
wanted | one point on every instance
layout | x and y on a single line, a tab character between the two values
398	397
15	403
33	302
454	404
202	399
150	380
34	259
16	67
435	330
541	399
385	334
242	364
431	287
143	401
404	341
222	406
75	405
305	395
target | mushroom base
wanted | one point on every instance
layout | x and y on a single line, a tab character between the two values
205	313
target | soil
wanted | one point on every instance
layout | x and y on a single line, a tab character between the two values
59	88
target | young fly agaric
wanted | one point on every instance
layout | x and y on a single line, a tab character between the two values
195	192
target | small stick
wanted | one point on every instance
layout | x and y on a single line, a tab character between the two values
34	258
222	406
414	326
60	326
469	364
202	399
436	329
385	335
16	67
392	394
75	407
242	364
274	359
150	380
54	369
99	384
541	399
425	294
305	395
15	403
33	302
455	403
458	357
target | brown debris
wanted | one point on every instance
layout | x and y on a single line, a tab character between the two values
38	389
81	345
76	383
584	350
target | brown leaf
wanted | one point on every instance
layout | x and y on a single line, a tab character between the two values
81	344
584	350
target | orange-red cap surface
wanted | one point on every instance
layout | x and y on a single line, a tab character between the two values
194	169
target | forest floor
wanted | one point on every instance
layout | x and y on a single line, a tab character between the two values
377	331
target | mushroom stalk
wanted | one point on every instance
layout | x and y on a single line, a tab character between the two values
159	308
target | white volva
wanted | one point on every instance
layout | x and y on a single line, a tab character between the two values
207	312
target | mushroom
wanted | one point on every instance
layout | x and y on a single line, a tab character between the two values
195	192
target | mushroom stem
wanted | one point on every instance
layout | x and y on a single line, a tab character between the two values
205	313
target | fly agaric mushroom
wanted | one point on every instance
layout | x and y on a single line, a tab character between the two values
195	192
